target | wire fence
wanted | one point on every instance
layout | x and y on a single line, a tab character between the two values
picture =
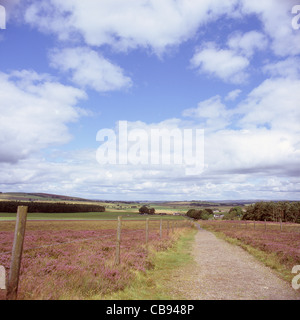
114	237
267	226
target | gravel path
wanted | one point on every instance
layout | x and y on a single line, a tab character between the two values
223	271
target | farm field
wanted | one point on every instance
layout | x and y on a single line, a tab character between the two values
168	207
108	215
280	243
76	259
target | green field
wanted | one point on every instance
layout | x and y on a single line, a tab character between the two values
87	216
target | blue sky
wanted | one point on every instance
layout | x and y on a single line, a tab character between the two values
69	69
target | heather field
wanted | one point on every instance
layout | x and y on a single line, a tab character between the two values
281	242
76	259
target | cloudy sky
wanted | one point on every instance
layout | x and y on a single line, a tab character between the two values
71	68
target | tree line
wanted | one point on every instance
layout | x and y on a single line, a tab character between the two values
45	207
284	211
273	211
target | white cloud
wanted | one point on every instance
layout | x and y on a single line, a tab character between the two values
250	148
34	113
212	114
221	63
89	69
127	24
259	137
232	95
288	68
247	43
275	103
239	164
277	23
244	157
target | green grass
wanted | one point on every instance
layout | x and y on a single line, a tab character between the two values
113	215
152	284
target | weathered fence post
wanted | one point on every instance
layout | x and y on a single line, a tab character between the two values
160	229
147	231
265	225
280	225
119	228
168	228
13	280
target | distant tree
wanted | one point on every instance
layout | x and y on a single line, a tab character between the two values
235	212
199	214
205	214
144	210
151	211
209	211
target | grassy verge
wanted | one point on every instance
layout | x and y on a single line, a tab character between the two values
270	259
151	285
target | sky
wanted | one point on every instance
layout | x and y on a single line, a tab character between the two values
71	69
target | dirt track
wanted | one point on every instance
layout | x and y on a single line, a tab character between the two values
223	271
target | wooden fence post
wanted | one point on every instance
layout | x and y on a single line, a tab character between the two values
13	280
160	229
119	228
168	228
147	231
265	225
280	225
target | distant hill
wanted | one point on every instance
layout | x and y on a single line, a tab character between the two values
23	196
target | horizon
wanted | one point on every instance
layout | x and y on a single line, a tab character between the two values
144	200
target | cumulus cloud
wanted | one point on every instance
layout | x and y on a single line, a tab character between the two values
34	111
212	114
251	147
243	157
247	43
274	104
87	68
276	18
221	63
260	135
127	25
256	144
287	68
232	95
